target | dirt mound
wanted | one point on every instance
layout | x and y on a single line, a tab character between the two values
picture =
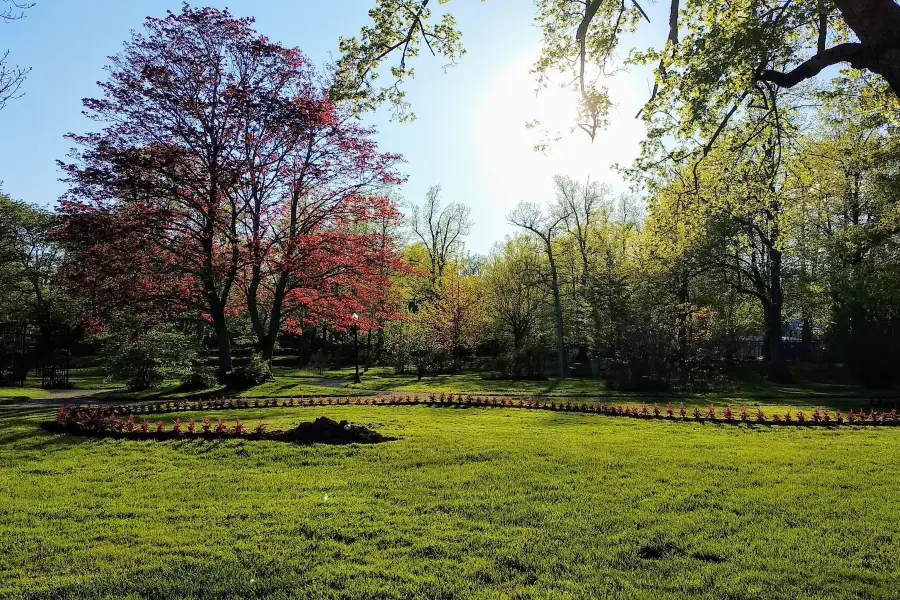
327	431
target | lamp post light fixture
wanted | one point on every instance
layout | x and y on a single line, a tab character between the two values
356	379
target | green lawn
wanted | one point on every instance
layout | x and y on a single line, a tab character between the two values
469	503
9	395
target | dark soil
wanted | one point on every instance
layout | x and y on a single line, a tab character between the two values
321	431
326	431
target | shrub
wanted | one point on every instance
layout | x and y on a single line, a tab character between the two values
253	372
221	427
129	424
697	414
681	412
160	427
655	409
760	416
145	425
711	412
239	428
206	425
148	359
727	413
191	426
744	416
260	428
177	426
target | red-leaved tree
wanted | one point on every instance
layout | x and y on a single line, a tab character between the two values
223	180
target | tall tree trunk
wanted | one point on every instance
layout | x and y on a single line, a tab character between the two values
557	306
223	341
806	339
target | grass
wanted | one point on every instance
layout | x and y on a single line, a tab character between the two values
812	387
469	503
10	395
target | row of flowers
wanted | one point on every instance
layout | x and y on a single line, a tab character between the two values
711	413
100	420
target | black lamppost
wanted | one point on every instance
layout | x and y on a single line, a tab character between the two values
356	346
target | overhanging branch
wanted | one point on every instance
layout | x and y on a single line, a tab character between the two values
851	52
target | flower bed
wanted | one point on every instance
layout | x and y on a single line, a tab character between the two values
818	417
102	422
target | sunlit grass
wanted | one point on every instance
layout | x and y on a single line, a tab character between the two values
469	503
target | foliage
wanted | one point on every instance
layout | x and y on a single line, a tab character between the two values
147	359
28	262
225	181
201	377
712	59
251	372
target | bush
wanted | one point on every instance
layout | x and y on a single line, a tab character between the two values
253	372
200	378
148	359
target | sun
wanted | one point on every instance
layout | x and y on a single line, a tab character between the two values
514	171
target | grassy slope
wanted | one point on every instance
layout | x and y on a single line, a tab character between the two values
481	503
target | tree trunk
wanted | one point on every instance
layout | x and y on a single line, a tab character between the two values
806	339
223	341
777	366
557	305
877	25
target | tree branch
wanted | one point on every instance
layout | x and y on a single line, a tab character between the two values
851	52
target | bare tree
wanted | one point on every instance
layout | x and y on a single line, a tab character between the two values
585	206
546	227
582	207
11	77
441	230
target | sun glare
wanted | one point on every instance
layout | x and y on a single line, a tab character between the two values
513	170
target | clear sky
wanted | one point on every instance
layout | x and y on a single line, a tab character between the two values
469	136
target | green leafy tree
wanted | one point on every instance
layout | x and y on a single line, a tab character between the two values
149	358
28	262
714	55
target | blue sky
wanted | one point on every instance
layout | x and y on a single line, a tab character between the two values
469	136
